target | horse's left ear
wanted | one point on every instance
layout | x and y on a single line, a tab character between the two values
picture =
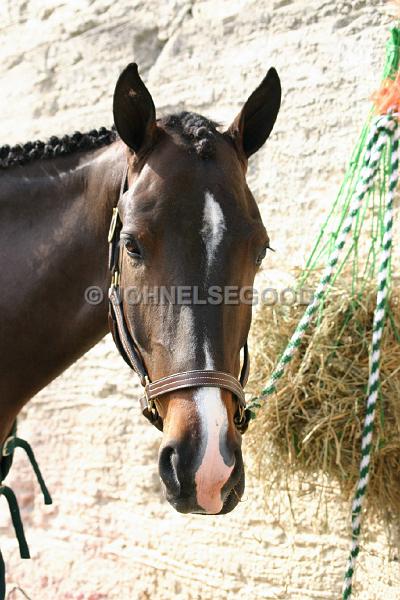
134	111
254	123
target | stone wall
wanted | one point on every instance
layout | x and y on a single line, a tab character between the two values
110	535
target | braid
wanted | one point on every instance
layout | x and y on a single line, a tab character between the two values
199	134
55	146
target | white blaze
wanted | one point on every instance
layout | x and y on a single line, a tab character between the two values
213	227
213	472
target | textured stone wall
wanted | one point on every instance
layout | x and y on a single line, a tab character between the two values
110	535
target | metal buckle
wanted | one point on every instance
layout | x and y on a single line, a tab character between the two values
115	279
113	224
8	446
150	401
151	411
240	414
242	419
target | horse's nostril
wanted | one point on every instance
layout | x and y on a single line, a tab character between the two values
167	465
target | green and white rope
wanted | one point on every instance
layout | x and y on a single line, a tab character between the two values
377	139
391	124
382	130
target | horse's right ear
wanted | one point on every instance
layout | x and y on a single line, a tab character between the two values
134	111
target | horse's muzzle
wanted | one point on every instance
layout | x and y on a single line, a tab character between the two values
179	482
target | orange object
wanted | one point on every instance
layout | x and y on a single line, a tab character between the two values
388	95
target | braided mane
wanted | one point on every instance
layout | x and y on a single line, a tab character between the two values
55	146
197	132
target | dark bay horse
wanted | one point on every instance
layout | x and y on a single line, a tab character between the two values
188	219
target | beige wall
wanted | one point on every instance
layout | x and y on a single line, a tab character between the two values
110	534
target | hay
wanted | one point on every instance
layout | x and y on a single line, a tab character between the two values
312	425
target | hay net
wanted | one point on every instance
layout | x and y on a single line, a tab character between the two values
312	424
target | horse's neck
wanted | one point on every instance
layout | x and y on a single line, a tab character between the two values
53	243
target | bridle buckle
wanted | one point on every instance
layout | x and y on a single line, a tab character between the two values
113	224
115	279
242	418
145	381
151	405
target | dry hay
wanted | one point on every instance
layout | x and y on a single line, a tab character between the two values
312	425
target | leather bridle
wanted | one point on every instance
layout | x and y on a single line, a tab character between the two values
130	353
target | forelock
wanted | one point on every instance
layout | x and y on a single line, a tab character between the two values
197	132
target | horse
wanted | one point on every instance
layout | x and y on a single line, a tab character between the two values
186	219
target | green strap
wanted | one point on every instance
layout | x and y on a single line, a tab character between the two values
6	454
19	443
15	442
16	520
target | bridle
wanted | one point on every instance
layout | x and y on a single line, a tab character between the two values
130	353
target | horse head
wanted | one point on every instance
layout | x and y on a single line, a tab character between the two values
191	241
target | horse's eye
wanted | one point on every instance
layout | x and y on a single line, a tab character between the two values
132	247
261	257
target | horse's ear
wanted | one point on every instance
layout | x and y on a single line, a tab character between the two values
134	111
254	123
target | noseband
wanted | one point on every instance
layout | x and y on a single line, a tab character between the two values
130	353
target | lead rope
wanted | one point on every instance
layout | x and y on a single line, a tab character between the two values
373	380
7	451
382	130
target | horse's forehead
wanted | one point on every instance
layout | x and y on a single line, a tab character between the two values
180	183
174	165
